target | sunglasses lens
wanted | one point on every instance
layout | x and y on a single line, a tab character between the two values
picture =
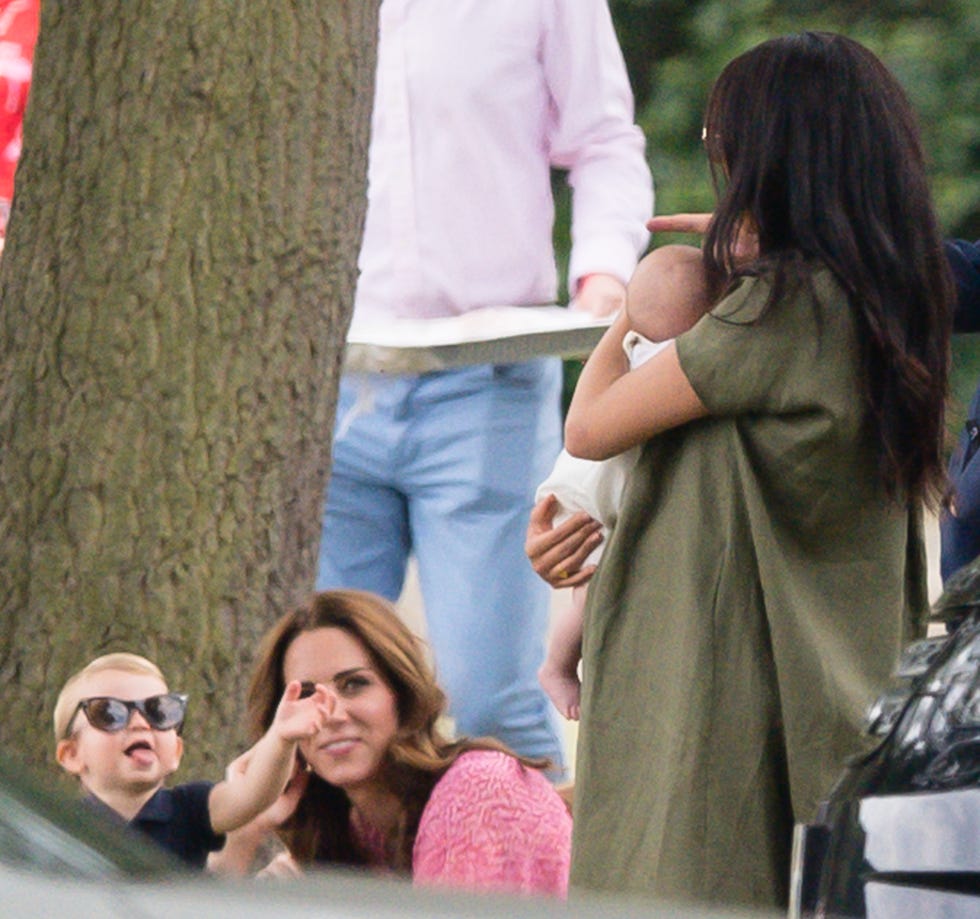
164	712
109	715
306	689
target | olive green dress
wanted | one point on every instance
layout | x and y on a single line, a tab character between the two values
751	603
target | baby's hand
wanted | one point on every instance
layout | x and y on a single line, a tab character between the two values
296	718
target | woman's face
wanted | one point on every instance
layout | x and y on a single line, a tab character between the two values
363	712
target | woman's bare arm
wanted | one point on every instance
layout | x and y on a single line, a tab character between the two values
615	408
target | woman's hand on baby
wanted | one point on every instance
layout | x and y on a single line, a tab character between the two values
557	552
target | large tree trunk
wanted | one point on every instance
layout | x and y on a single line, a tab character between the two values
176	290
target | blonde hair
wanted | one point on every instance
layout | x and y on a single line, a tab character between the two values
69	697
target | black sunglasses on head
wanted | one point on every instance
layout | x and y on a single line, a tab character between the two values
111	715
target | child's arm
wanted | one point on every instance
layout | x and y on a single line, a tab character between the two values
269	764
243	846
614	408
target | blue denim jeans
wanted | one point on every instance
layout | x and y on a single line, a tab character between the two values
444	466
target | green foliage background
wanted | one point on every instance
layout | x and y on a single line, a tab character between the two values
674	49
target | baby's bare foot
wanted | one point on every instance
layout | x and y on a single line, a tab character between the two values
563	688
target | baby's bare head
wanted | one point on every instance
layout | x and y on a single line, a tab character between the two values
668	292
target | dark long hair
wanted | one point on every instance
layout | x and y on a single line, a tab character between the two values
814	145
419	755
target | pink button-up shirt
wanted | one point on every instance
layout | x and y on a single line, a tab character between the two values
475	101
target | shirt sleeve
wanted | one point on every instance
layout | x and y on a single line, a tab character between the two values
194	798
493	825
749	356
593	135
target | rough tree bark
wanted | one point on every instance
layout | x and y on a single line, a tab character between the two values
174	297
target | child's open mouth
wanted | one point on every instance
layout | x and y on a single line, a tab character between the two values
140	753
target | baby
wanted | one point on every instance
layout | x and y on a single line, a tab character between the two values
117	728
667	294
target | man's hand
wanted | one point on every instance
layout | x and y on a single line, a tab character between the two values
600	295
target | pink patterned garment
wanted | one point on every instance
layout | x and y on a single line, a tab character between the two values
492	825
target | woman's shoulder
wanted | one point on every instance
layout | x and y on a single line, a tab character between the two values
482	785
494	823
488	774
750	295
478	762
762	347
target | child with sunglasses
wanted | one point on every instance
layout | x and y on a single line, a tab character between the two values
117	728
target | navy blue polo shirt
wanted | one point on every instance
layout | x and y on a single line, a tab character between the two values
178	820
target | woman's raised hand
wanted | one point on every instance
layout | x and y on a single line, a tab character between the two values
679	223
557	552
746	244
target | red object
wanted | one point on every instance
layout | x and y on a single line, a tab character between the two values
18	32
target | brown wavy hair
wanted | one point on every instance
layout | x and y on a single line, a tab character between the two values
814	144
419	755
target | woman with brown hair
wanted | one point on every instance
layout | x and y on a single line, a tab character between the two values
381	785
768	564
